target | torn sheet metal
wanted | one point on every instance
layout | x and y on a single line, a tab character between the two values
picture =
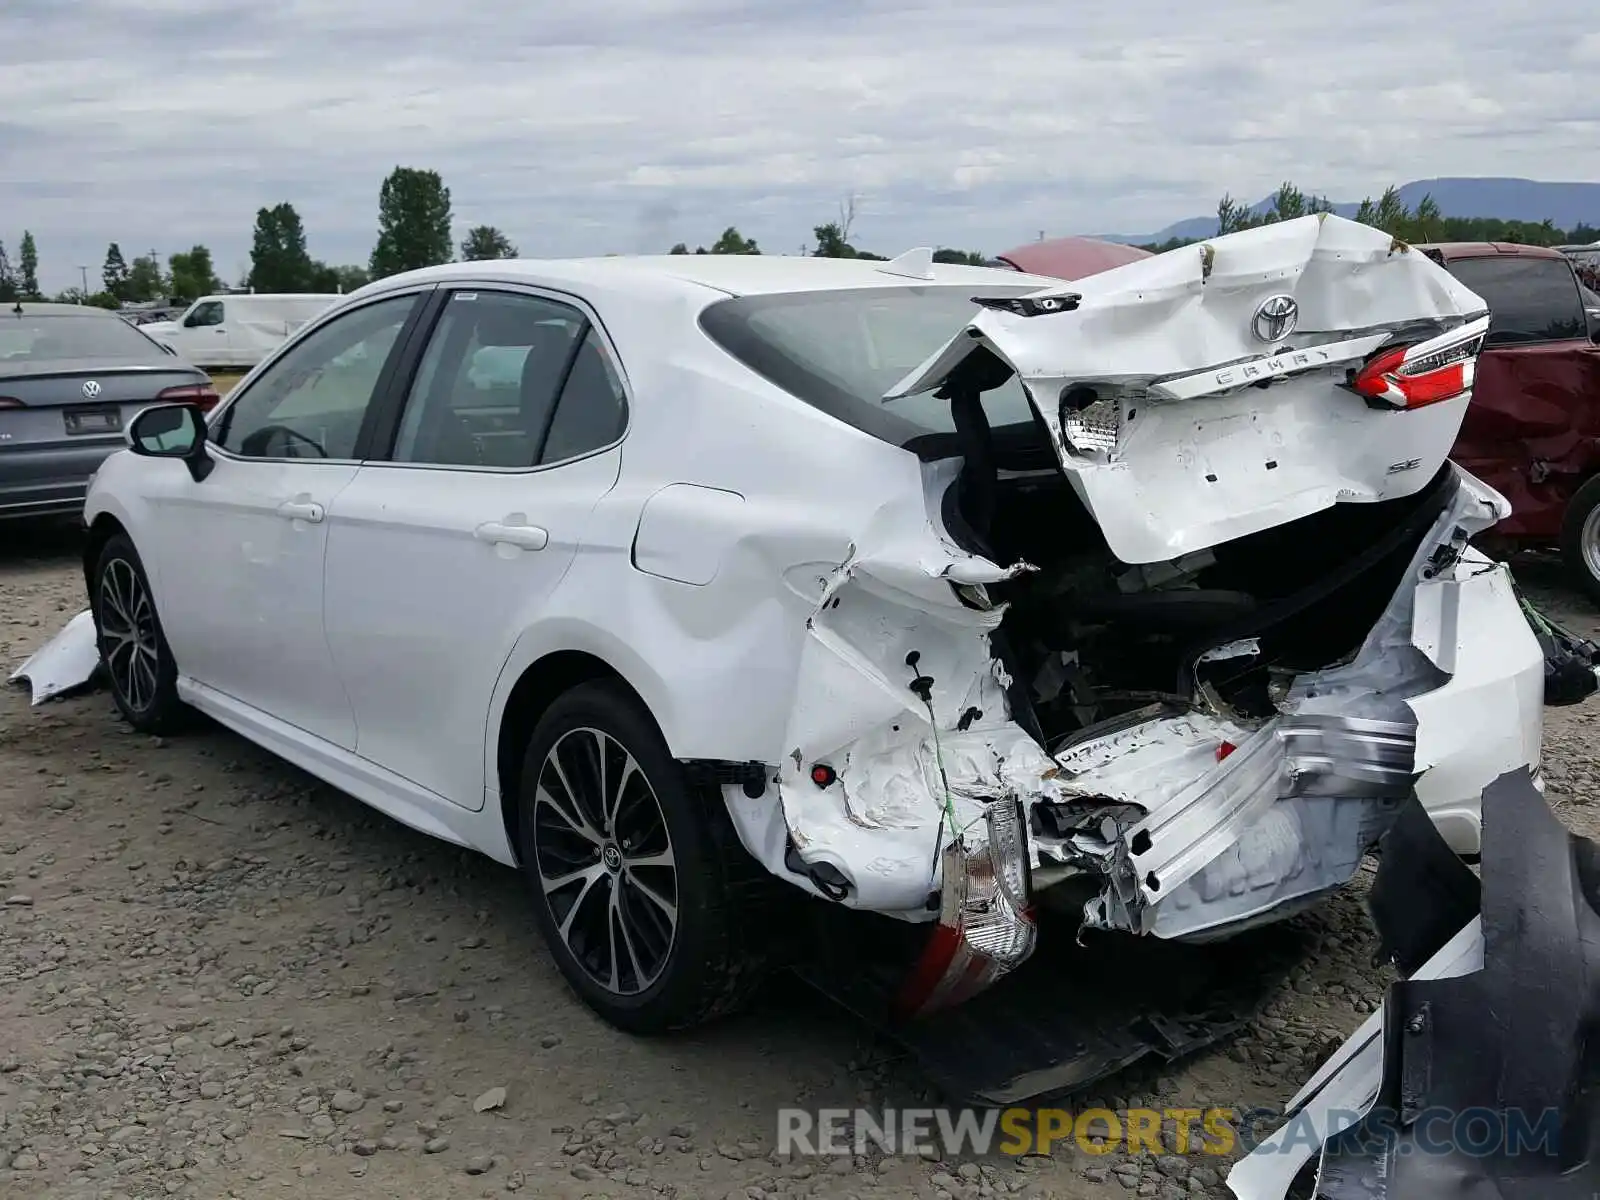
1165	470
1286	814
899	696
68	660
1198	824
1496	1026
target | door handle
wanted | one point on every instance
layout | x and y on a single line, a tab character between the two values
508	533
300	510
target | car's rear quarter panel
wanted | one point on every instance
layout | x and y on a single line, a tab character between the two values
715	662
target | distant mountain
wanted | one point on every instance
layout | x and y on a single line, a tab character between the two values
1564	204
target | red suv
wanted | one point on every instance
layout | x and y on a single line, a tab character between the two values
1532	431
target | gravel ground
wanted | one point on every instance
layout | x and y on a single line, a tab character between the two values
221	978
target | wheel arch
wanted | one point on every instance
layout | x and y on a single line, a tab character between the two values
538	686
101	530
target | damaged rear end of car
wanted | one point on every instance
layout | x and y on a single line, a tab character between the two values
1183	615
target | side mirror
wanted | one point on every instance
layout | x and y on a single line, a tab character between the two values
172	431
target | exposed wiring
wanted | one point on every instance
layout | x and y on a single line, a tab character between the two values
922	685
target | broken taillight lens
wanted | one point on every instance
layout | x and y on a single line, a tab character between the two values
985	925
1440	368
201	395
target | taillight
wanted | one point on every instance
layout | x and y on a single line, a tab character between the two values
986	924
1440	368
203	395
11	402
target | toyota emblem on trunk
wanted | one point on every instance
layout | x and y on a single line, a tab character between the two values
91	389
1275	318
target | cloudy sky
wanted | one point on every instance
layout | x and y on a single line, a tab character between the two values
627	125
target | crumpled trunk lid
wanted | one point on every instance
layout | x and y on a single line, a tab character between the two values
1202	395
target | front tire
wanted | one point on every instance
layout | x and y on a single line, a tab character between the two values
634	881
1580	539
133	648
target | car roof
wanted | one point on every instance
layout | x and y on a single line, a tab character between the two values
1071	257
1450	251
46	308
728	274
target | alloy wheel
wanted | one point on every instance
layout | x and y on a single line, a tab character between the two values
128	641
605	862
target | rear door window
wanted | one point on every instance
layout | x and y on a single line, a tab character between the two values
486	388
1530	299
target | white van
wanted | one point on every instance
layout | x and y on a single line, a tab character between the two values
237	330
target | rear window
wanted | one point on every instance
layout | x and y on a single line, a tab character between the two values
39	337
840	350
1529	299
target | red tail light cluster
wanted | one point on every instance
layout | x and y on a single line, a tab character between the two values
1440	368
986	921
202	395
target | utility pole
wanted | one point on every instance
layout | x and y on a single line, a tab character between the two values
83	272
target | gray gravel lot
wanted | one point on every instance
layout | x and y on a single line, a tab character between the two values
221	978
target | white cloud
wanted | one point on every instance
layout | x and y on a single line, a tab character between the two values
632	124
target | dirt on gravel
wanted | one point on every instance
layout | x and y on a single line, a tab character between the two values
219	977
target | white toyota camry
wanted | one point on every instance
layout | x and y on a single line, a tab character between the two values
942	593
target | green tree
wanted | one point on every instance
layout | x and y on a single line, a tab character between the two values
680	248
734	242
963	258
485	242
413	222
337	279
114	273
145	280
278	258
833	242
28	283
8	278
193	274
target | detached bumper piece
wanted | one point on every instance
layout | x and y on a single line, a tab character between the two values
1481	1076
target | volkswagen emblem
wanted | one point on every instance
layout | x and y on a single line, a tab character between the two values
1275	318
91	389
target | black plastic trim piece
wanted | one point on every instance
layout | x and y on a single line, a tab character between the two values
719	772
1491	1081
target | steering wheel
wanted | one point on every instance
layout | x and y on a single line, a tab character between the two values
261	437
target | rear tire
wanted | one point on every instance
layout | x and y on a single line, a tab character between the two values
133	648
638	880
1580	539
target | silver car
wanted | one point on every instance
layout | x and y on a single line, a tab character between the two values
71	378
